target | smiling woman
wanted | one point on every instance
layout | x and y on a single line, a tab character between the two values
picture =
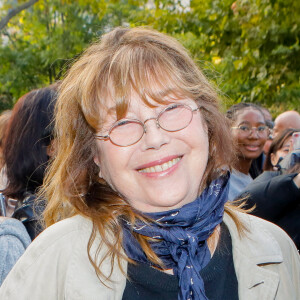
139	186
249	133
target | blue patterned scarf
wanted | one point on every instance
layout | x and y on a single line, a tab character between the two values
182	237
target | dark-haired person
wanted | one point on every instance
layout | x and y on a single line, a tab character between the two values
279	148
249	133
26	148
138	189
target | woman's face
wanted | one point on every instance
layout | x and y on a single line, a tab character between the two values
249	145
134	171
282	152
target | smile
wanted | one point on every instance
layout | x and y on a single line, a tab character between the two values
162	167
252	147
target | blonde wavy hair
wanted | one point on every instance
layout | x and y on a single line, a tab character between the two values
121	62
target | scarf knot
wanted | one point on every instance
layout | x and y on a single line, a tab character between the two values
181	237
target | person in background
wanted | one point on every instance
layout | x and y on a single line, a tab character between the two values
26	151
288	119
137	192
7	205
14	239
4	118
249	134
276	195
279	148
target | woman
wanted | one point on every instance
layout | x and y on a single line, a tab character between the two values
249	133
26	151
140	179
279	148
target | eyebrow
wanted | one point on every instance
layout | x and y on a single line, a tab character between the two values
246	122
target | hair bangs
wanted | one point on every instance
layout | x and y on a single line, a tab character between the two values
146	73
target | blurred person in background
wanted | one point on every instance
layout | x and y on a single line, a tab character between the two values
279	148
288	119
4	118
249	133
14	239
276	197
7	205
27	148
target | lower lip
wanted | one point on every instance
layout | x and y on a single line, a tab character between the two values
252	149
167	172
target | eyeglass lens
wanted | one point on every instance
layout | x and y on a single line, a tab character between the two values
173	118
260	130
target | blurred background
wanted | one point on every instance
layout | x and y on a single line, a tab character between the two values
248	48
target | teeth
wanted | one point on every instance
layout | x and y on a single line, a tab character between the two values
162	167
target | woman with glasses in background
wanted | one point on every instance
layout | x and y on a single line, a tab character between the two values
138	189
249	133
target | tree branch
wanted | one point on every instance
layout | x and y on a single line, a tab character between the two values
14	11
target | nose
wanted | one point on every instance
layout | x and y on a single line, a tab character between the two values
254	133
154	137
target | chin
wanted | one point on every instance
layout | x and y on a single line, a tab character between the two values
162	205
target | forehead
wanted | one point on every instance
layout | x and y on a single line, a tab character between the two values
250	115
267	114
287	141
136	102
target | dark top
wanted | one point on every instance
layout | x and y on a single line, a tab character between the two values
219	277
29	211
277	199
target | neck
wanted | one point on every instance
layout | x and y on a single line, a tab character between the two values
243	165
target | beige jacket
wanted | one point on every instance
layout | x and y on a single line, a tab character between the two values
56	265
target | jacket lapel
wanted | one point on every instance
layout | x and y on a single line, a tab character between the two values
250	253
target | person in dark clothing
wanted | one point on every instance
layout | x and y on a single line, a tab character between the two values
27	147
276	198
279	148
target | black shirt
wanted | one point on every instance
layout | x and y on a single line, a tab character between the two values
219	277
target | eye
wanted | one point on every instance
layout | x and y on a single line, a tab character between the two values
261	128
173	106
244	128
123	122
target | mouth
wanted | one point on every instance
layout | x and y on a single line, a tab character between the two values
252	148
160	166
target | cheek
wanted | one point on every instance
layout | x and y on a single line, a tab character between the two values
107	161
235	136
263	140
280	154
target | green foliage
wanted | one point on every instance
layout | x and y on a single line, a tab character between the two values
249	48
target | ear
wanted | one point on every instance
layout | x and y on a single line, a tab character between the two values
51	148
273	159
97	162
